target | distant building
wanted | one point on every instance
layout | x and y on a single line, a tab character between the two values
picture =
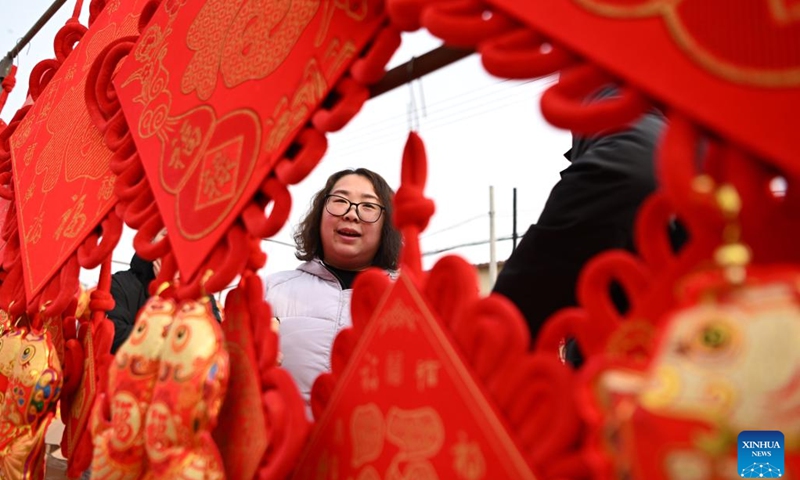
483	276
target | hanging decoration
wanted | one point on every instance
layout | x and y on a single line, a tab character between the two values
118	420
64	185
29	405
680	58
206	147
191	385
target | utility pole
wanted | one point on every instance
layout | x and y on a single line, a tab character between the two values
492	239
514	226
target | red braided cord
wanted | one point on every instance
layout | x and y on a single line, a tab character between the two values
253	214
12	290
8	85
406	14
6	169
99	333
352	96
102	102
143	241
464	23
371	67
564	105
59	292
76	11
67	38
224	264
92	252
311	144
677	171
412	210
41	74
168	273
11	252
655	215
284	408
517	52
101	300
521	54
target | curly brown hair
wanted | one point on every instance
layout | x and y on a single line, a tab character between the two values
307	235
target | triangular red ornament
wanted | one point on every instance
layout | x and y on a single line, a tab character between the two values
407	406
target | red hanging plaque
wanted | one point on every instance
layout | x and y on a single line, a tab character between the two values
64	187
406	406
733	66
214	92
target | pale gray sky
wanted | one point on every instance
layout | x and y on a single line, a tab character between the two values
479	131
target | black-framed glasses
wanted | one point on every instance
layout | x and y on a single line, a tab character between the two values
367	212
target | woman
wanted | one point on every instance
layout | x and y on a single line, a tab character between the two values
347	229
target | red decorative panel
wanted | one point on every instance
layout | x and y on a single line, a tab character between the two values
64	187
406	406
733	66
214	92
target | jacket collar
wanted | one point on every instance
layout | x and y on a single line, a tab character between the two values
315	267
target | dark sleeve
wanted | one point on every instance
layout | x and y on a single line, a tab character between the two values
122	315
591	209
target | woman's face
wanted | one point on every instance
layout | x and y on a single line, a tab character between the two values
348	242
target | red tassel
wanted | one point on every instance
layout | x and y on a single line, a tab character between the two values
8	85
412	210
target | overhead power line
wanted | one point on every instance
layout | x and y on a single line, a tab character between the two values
437	118
279	242
462	245
455	225
389	122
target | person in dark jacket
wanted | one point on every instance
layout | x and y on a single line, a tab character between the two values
130	291
590	210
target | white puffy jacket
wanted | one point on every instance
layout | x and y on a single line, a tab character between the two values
312	308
